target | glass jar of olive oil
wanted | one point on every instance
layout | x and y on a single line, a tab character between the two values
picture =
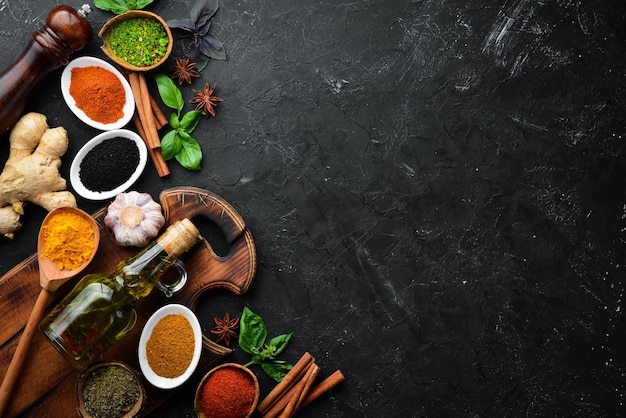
100	309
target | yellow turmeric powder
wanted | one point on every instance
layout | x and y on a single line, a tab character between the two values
68	240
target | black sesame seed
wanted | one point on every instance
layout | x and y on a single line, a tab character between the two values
109	164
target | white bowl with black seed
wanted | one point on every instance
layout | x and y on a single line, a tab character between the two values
108	164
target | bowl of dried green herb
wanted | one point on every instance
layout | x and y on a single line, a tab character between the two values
110	389
137	40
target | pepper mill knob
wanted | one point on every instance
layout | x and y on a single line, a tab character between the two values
66	31
70	25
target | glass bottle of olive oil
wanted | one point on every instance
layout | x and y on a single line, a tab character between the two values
100	309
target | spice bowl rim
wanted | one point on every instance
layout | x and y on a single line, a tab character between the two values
86	372
109	24
196	401
86	61
75	180
153	378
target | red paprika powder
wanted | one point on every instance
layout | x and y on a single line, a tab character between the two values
228	392
98	92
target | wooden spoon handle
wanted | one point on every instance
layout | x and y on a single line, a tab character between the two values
22	348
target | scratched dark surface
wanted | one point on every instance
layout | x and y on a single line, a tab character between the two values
436	191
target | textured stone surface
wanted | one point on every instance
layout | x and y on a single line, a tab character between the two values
435	188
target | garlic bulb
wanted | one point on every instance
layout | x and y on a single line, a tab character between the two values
134	218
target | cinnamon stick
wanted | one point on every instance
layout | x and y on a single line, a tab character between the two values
135	85
310	380
324	386
159	116
291	378
315	392
155	154
293	399
133	80
280	404
159	163
287	404
147	120
140	118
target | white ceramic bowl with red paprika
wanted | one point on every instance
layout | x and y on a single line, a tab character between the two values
128	108
151	376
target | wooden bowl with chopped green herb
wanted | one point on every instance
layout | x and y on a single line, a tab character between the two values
137	40
110	389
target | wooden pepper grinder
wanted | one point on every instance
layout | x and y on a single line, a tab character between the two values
66	31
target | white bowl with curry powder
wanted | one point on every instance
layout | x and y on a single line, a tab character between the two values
170	346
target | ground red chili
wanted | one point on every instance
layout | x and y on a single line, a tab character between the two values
98	92
228	393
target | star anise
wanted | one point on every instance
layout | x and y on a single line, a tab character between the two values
225	329
205	100
184	70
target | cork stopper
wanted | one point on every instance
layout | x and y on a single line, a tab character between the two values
179	238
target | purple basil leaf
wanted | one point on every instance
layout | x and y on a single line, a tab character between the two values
195	41
184	24
212	47
202	11
203	30
199	58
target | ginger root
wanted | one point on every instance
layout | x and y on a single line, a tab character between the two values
31	173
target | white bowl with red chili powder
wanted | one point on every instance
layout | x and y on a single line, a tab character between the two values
97	93
170	346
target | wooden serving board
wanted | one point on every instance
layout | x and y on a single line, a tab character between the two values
47	381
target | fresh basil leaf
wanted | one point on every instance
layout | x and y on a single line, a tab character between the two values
257	358
184	24
170	145
252	336
252	331
190	154
202	11
276	370
190	120
212	47
138	4
115	6
169	92
174	121
279	343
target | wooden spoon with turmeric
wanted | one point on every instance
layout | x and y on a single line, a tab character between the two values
67	243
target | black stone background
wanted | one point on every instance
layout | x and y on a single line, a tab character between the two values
435	188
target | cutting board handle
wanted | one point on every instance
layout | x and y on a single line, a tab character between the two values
233	271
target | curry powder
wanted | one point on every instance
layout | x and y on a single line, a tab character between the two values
170	348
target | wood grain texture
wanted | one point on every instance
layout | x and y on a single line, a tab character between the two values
48	381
